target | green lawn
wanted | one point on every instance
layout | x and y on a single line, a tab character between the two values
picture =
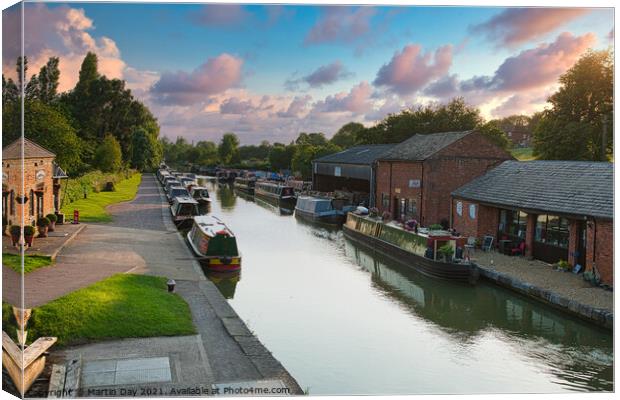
31	262
523	153
122	306
92	209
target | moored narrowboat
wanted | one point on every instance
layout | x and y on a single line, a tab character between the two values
275	193
322	209
214	244
183	210
245	184
410	249
225	176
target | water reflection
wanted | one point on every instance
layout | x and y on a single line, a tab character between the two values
226	195
226	282
572	349
273	208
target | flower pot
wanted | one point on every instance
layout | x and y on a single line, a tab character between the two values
42	231
15	239
28	239
52	226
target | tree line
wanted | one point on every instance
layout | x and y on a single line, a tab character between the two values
97	125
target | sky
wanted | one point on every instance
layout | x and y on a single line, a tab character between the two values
269	72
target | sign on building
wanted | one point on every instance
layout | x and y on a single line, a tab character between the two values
414	183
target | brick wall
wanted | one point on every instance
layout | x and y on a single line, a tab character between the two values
485	222
12	169
600	246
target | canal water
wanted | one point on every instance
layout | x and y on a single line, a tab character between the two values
345	322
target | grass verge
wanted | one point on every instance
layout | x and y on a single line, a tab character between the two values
31	262
523	153
92	209
122	306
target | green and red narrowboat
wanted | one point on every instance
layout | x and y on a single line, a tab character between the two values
214	244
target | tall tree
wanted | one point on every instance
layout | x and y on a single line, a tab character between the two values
280	156
347	135
49	76
582	110
108	157
228	149
10	92
22	78
146	151
88	73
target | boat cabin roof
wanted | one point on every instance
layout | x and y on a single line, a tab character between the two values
184	200
210	225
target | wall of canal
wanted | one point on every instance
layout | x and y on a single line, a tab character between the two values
343	321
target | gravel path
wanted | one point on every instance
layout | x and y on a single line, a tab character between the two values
543	275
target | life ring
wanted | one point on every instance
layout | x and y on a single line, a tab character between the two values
223	233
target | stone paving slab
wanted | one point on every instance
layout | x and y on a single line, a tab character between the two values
48	246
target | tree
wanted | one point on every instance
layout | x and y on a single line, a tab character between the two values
108	157
347	135
49	76
10	92
314	139
88	74
48	127
304	155
280	156
573	128
146	151
228	149
492	131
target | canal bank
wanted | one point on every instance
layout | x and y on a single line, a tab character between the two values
345	321
223	352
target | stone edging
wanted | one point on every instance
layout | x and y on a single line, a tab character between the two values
66	242
599	316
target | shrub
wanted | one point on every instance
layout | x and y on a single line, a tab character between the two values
28	230
15	230
435	227
446	250
43	222
52	217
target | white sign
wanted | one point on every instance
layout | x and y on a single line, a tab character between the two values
414	183
337	171
40	175
459	208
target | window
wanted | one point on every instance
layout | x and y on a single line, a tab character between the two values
12	202
337	171
472	211
459	208
31	202
412	207
385	200
553	230
513	223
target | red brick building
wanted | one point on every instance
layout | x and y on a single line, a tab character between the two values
561	210
41	185
415	178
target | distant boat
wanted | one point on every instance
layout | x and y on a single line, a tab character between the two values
322	209
183	210
275	193
201	195
226	176
245	184
414	250
176	191
214	244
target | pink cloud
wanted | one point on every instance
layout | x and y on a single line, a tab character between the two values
517	25
220	15
296	107
237	106
522	103
324	75
215	76
410	70
356	101
340	24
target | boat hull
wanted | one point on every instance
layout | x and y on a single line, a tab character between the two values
245	189
460	273
332	219
284	202
183	224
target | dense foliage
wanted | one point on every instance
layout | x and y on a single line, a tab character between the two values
81	125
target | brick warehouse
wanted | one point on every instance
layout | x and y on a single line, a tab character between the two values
415	178
561	210
41	182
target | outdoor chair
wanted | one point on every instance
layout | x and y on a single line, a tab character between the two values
470	247
518	250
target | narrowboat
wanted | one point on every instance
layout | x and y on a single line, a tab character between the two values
245	184
176	191
201	195
187	182
275	193
322	209
170	181
214	244
183	210
225	176
414	250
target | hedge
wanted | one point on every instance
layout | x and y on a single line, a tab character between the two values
73	189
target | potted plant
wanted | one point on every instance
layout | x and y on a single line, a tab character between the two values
15	232
386	216
53	218
28	234
373	212
43	223
446	251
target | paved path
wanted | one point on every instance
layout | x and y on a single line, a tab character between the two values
143	236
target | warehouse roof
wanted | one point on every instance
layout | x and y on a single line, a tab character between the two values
562	187
419	147
363	154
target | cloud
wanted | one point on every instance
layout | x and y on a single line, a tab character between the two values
221	15
610	35
234	105
296	108
522	103
324	75
342	24
356	101
518	25
214	76
410	70
444	87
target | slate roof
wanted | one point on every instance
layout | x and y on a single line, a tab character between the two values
31	150
419	147
363	154
562	187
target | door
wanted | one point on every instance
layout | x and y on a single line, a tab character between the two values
582	234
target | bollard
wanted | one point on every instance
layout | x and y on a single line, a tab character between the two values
76	217
171	283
